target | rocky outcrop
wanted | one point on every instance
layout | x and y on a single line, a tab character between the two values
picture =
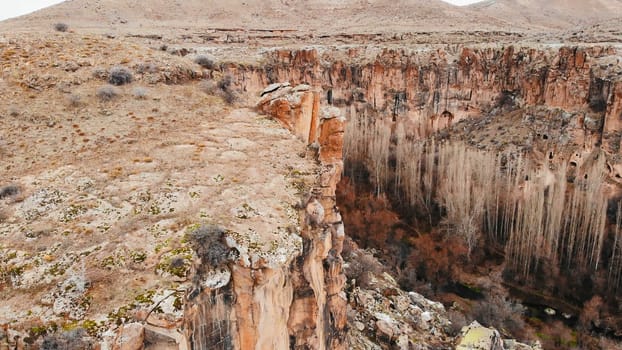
460	80
384	316
294	107
130	337
318	312
291	300
477	337
560	105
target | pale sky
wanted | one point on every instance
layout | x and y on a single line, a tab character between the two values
14	8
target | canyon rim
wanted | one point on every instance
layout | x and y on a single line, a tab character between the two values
311	175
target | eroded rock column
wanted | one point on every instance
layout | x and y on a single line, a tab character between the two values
255	291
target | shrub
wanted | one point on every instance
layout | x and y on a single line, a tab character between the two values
458	321
205	62
229	96
591	312
208	86
100	73
502	314
13	111
140	92
225	83
362	266
74	100
147	68
9	191
107	93
69	340
226	89
208	243
61	27
507	100
120	76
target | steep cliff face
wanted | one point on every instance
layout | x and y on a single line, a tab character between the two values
557	106
433	88
295	301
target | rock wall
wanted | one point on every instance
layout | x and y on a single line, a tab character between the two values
443	85
297	303
318	312
301	304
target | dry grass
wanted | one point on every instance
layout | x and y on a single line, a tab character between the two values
126	177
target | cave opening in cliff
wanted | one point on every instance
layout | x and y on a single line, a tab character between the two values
490	204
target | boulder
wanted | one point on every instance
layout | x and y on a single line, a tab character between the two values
296	108
478	337
130	337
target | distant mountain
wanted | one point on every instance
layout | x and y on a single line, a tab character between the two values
322	16
561	14
319	15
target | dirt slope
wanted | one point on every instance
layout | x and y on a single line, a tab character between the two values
552	14
319	16
314	15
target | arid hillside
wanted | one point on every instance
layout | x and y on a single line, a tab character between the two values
320	16
558	14
306	16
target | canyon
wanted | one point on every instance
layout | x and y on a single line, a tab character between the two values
254	186
560	105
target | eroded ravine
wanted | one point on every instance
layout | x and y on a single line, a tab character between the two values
557	107
256	283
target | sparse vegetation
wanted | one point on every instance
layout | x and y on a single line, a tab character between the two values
9	191
140	92
120	76
458	321
138	256
506	315
207	242
61	27
205	62
226	89
74	100
107	93
100	73
176	262
362	266
208	86
147	68
74	339
223	88
13	111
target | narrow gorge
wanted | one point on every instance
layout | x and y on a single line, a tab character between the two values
484	177
316	197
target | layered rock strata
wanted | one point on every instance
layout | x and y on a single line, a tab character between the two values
254	302
433	88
